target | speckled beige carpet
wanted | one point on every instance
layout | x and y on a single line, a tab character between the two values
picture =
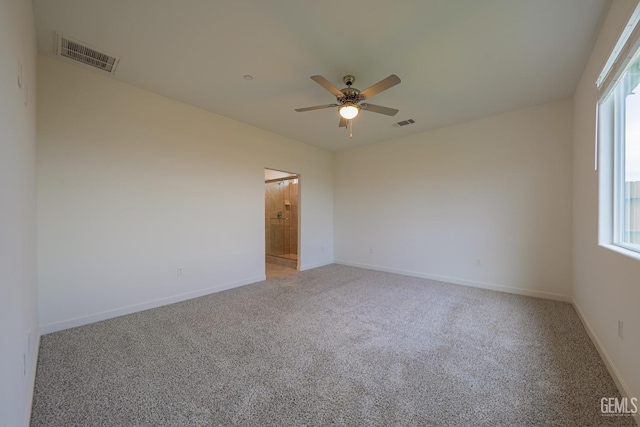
331	346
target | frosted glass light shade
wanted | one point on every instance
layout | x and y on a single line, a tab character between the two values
349	111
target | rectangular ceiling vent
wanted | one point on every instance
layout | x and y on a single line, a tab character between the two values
404	123
82	52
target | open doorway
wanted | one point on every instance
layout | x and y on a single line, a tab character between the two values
282	235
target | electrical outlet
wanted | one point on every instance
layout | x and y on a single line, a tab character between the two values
620	328
179	271
478	263
371	251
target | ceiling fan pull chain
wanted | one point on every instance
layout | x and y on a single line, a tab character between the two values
351	128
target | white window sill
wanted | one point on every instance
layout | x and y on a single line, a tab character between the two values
621	250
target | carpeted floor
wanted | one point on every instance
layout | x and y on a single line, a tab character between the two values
331	346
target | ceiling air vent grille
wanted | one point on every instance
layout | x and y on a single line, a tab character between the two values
81	52
404	123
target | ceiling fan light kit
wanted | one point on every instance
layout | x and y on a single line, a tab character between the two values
349	98
349	111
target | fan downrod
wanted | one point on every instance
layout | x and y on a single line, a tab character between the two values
349	94
348	80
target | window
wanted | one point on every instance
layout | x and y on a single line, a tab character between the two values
626	167
618	143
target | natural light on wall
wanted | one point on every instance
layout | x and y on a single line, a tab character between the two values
618	143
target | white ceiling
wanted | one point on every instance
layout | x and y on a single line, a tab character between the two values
458	59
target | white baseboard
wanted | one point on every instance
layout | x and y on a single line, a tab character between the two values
464	282
32	380
613	371
316	265
97	317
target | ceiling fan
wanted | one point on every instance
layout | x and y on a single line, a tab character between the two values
349	99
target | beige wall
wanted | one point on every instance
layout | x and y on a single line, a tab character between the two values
19	332
606	284
132	185
497	190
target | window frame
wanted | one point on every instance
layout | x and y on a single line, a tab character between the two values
611	155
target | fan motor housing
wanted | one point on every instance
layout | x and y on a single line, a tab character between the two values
350	93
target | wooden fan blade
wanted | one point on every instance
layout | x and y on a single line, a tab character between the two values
327	85
383	84
343	123
379	109
317	107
